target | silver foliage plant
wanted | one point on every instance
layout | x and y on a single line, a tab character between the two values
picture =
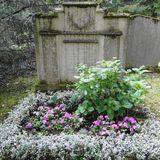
17	144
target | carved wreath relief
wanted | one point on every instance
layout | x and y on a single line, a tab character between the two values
82	21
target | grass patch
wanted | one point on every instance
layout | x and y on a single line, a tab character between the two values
14	91
153	96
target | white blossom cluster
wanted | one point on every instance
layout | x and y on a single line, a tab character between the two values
17	144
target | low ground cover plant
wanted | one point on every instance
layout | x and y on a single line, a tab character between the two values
17	144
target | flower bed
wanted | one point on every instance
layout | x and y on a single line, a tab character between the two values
16	143
53	120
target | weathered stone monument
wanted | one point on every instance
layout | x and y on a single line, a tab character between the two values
77	32
81	32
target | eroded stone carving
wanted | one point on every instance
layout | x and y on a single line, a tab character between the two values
85	21
78	34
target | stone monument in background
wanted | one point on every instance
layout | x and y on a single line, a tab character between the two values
81	32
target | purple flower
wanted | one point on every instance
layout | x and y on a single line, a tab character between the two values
125	125
114	126
132	120
54	122
106	117
103	122
49	127
101	117
61	107
119	123
111	122
134	127
132	131
62	121
45	122
97	122
46	117
40	108
126	118
29	125
67	115
36	113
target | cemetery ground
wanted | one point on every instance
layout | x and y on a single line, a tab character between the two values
13	90
18	88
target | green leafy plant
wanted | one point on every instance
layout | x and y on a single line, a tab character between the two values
108	88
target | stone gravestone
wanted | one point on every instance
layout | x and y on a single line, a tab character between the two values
76	32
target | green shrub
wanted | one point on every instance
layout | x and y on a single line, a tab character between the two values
108	88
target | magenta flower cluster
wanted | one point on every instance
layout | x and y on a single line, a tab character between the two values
48	118
103	126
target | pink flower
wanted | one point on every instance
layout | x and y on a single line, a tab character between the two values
56	115
132	131
36	113
97	122
54	122
132	120
49	127
125	125
62	121
106	117
101	117
114	126
29	125
61	107
103	122
40	108
126	118
134	127
45	122
119	122
67	115
46	117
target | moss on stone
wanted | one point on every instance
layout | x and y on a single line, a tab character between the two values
128	15
46	15
44	87
116	15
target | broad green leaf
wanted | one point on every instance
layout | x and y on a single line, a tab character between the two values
110	113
